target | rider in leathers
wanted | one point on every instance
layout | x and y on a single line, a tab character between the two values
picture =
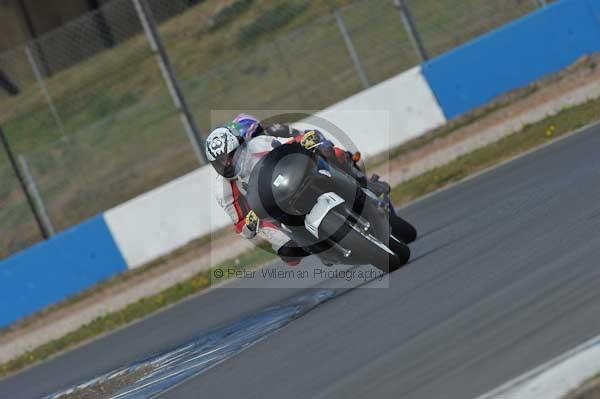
235	149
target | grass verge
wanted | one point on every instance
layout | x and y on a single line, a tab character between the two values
531	136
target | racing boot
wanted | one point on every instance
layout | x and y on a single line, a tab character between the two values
380	188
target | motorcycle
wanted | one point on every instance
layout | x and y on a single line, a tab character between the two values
326	211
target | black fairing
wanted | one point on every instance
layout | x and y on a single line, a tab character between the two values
285	185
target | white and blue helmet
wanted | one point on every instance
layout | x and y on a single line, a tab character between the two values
220	148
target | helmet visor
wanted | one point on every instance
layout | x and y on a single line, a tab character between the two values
225	165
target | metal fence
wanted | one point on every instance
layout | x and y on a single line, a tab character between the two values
98	119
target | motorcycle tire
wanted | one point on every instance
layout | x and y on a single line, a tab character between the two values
364	248
402	230
400	249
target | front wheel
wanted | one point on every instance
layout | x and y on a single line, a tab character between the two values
364	247
402	229
400	249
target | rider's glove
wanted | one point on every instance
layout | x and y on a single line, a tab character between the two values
252	222
311	139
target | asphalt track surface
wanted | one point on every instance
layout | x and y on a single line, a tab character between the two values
505	276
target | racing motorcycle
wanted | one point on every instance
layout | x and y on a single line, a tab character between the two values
326	211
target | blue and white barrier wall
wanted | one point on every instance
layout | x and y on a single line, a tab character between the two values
54	270
387	114
514	56
164	219
413	102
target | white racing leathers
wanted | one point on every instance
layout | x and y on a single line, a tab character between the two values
231	193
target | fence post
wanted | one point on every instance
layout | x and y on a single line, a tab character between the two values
34	34
351	49
145	14
11	158
44	89
35	195
411	29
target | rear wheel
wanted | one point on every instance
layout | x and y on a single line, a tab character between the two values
364	248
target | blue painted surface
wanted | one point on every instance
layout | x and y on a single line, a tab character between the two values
53	270
514	56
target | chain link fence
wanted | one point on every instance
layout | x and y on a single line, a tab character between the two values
95	122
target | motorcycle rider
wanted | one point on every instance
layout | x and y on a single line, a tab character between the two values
234	150
233	157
